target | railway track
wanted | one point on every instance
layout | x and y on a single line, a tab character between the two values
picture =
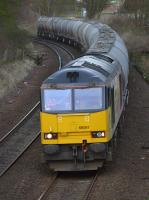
71	186
26	131
91	187
58	49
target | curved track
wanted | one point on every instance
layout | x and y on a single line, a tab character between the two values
58	49
25	132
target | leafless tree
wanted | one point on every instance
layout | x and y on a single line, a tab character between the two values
138	10
94	7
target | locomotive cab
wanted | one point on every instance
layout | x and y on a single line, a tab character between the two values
75	118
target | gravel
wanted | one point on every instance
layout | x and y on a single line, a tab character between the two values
127	178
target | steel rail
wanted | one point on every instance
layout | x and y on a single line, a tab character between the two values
4	170
72	56
38	103
91	186
60	184
20	122
7	150
43	42
51	182
49	42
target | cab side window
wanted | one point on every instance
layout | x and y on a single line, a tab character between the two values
111	103
121	89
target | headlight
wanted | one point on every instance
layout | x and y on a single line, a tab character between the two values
49	136
98	134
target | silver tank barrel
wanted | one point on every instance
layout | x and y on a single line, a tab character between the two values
94	37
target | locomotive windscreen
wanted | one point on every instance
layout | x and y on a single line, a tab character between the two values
55	100
90	98
72	100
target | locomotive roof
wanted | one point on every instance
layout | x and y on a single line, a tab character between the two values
87	69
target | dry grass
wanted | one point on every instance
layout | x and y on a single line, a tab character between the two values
141	62
13	73
135	37
145	63
14	67
137	42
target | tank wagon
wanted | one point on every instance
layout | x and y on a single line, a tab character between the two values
82	104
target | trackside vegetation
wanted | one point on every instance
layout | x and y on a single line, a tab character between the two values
11	37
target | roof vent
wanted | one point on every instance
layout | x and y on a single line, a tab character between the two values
72	76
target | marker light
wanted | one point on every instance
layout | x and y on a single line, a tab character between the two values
98	134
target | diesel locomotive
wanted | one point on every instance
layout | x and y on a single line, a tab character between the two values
82	104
